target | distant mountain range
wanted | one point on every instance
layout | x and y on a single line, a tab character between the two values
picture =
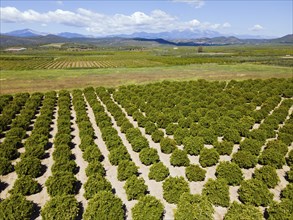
184	34
28	37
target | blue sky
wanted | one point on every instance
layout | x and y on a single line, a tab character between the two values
99	18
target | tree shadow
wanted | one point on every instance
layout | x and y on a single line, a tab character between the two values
80	211
36	212
3	186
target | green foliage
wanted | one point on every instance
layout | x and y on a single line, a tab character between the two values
224	147
149	156
64	166
195	173
288	192
217	192
62	183
60	207
289	175
62	152
92	153
16	207
278	146
173	188
193	145
289	159
251	145
272	157
244	159
179	158
157	135
281	211
168	145
268	175
25	185
29	166
118	154
255	192
192	207
243	212
135	188
95	167
232	135
126	169
104	206
5	166
208	157
148	208
37	151
139	143
150	127
158	172
231	172
95	184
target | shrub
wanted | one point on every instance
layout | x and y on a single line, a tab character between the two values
95	167
244	159
95	184
171	128
126	169
158	172
29	166
148	208
62	152
254	192
180	134
288	192
61	207
179	158
118	154
150	127
241	212
289	159
277	145
224	147
272	157
25	185
139	143
135	187
208	135
281	211
258	134
267	175
104	206
193	145
217	192
149	156
251	145
195	173
232	135
64	166
9	151
231	172
173	188
208	157
168	145
61	183
289	175
5	166
193	207
92	153
16	207
37	151
157	135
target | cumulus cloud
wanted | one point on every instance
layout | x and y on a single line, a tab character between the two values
102	24
257	27
194	3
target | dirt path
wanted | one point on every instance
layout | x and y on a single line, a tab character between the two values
80	162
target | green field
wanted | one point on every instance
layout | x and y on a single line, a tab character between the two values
43	69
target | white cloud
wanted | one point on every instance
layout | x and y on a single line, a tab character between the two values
226	25
257	27
59	2
195	3
44	25
155	21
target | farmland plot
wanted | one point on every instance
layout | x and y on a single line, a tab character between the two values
169	150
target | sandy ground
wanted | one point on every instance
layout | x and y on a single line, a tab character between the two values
80	162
